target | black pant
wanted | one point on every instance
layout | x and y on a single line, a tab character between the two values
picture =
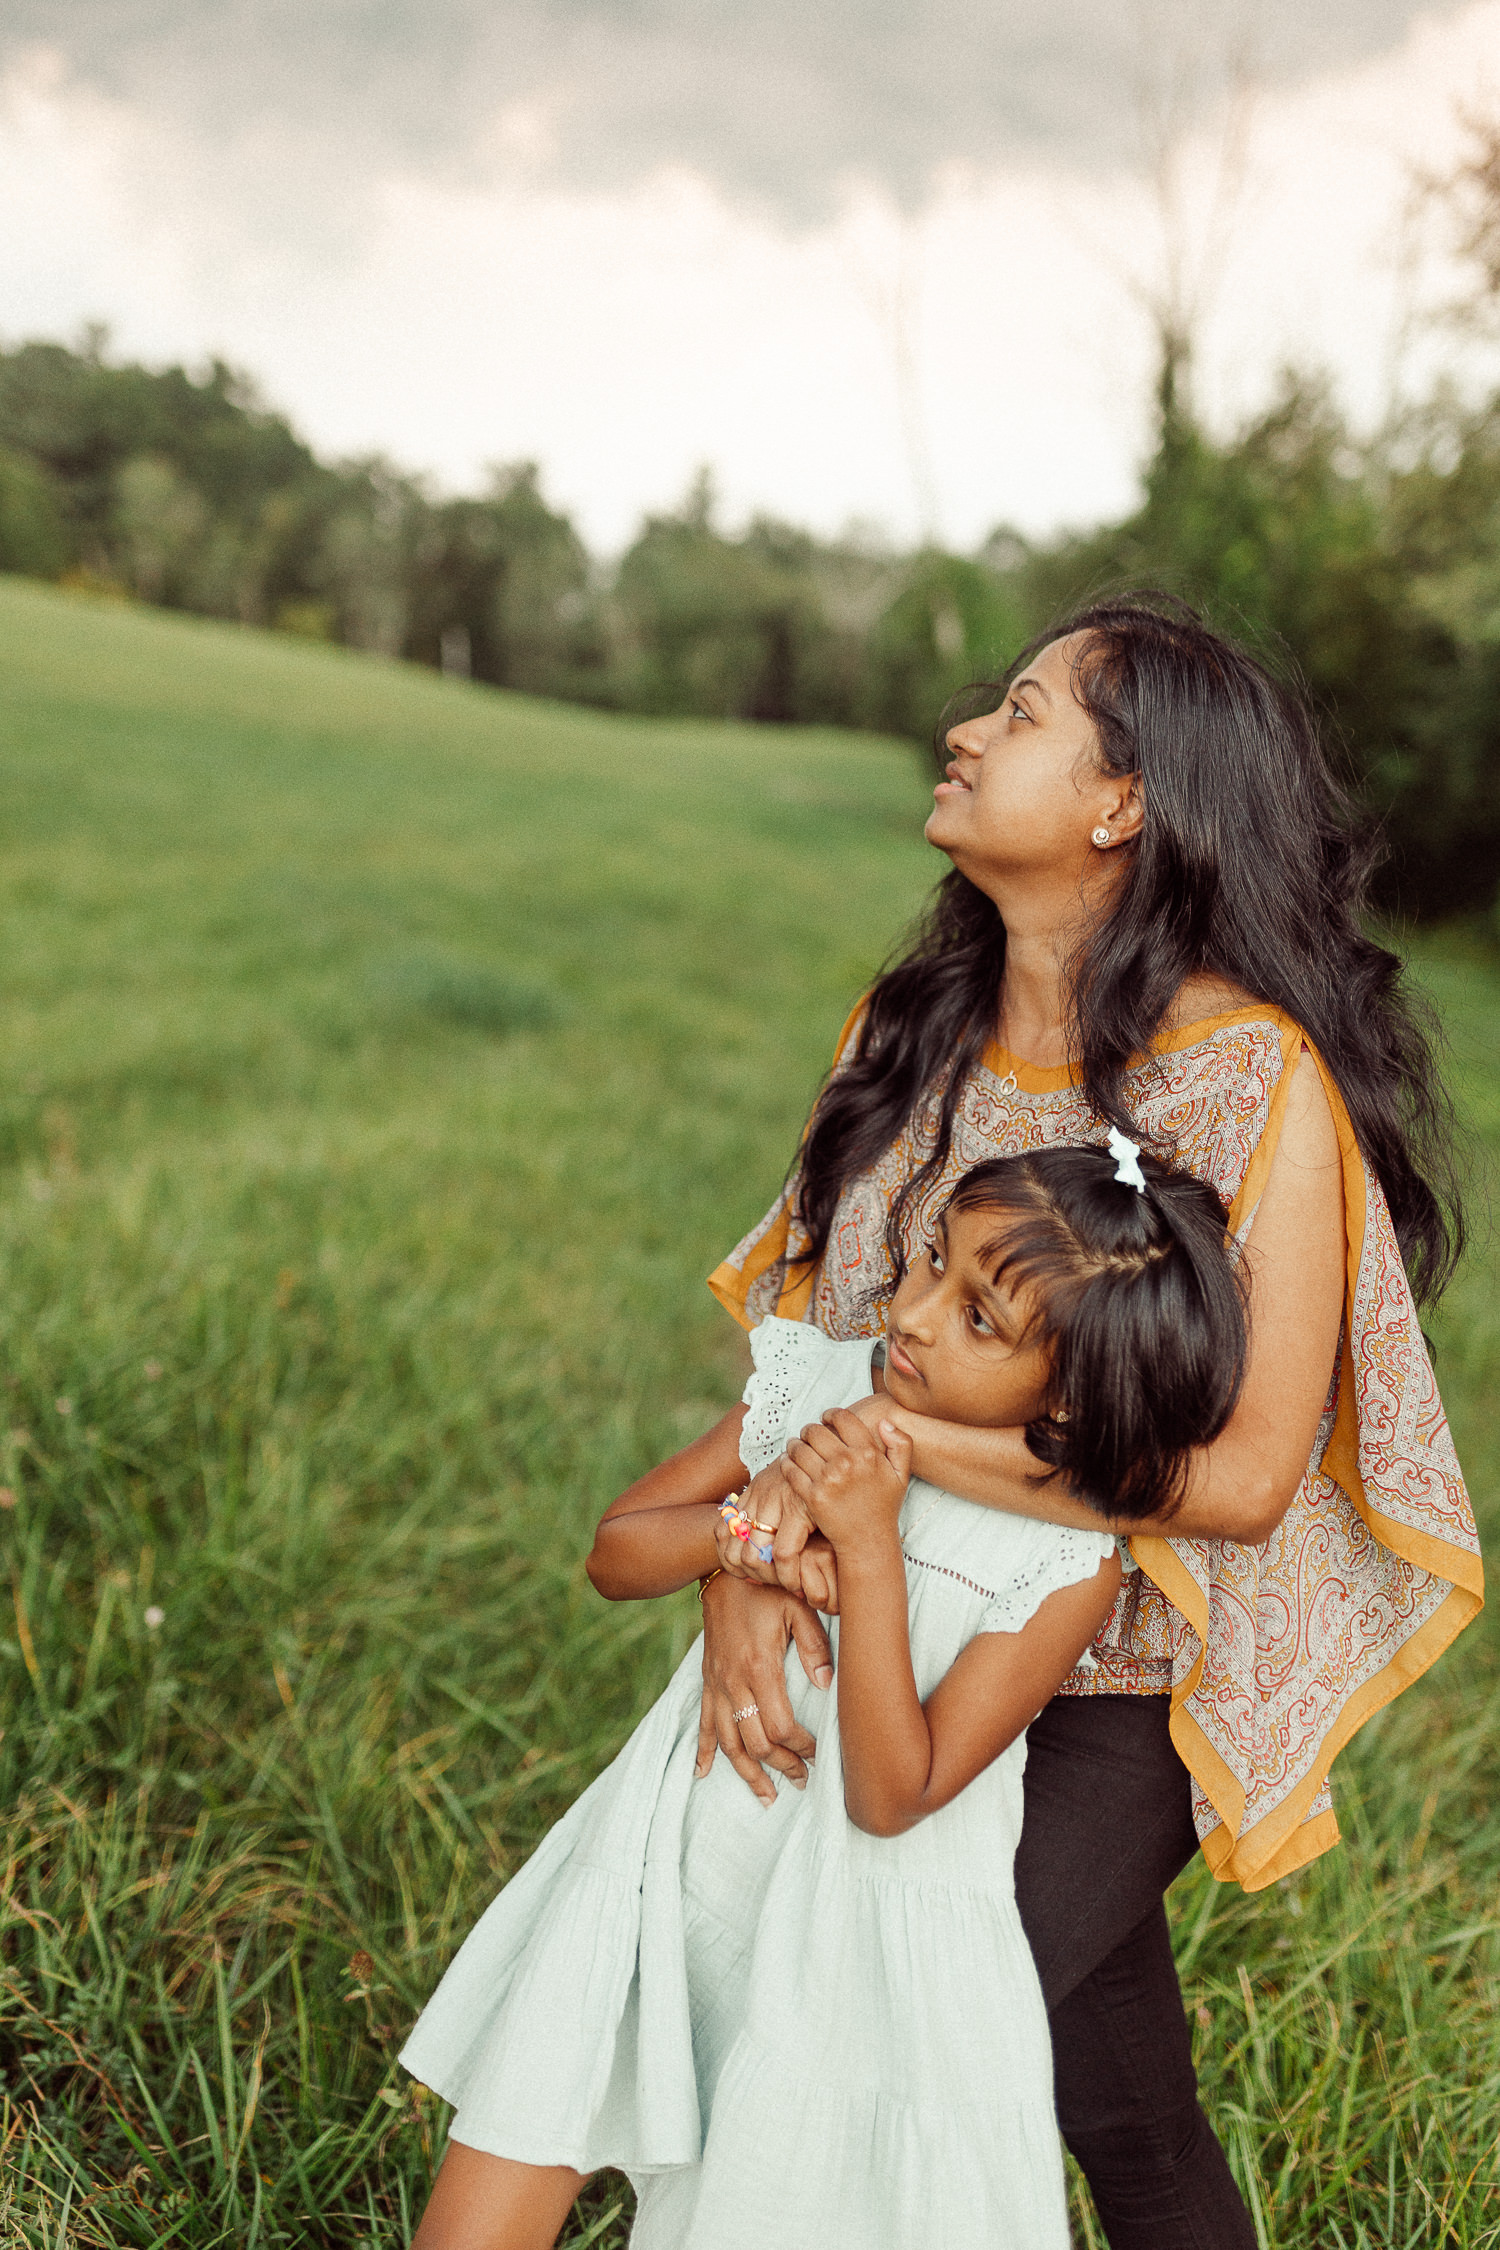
1108	1825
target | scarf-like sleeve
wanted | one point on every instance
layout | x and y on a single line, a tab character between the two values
1282	1652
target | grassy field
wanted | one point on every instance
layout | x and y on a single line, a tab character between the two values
385	1062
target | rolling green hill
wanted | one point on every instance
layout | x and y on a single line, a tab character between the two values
385	1061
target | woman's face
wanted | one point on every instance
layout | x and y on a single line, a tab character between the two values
957	1341
1024	788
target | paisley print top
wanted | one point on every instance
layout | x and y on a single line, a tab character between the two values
1274	1655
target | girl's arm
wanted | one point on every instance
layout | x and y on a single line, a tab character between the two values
903	1759
666	1529
659	1534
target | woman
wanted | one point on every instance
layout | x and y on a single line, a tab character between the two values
1152	923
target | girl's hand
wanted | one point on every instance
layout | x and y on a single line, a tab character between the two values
734	1554
745	1634
772	1500
813	1573
850	1481
761	1501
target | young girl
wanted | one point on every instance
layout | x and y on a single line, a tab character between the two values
781	2020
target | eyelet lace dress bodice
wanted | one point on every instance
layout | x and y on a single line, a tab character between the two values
790	1359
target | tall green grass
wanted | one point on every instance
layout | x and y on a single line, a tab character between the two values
385	1061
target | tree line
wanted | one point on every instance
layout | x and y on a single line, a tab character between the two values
187	490
1370	567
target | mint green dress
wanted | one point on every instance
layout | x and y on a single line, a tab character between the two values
790	2034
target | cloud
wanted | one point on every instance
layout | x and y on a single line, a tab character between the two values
323	215
778	103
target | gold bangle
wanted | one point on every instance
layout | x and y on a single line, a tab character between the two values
707	1580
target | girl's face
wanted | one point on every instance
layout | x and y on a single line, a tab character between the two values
956	1341
1024	788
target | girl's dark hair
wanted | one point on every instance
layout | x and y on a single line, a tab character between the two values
1250	866
1142	1309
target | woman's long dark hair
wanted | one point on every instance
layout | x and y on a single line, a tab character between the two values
1251	865
1139	1307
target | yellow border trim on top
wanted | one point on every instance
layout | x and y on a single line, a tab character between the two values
1039	1078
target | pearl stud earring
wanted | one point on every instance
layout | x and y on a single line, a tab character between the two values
1101	837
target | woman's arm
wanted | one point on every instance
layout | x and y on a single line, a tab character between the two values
660	1533
1240	1486
904	1759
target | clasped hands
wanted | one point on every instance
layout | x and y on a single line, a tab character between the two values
842	1479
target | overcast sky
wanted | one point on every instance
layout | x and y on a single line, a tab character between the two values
871	258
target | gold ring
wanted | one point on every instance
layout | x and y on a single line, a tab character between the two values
768	1528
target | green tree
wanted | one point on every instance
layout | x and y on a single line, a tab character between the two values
363	555
734	627
953	620
1288	534
33	530
1442	508
81	418
158	527
511	576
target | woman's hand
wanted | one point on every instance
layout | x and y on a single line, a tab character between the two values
746	1630
820	1575
850	1480
879	1413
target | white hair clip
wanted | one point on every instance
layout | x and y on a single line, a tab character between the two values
1127	1156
